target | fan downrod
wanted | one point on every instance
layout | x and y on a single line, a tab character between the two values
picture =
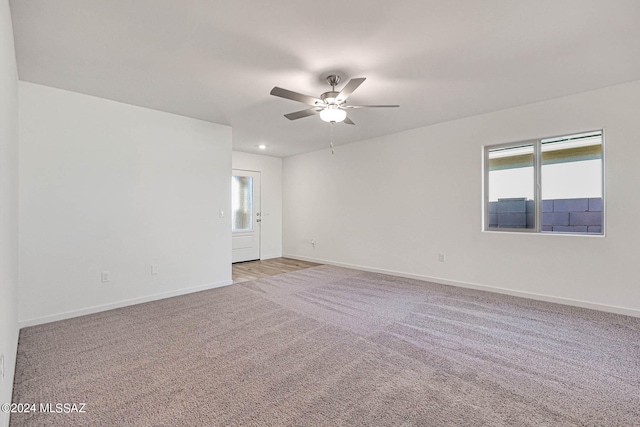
333	81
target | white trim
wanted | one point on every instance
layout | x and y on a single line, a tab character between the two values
270	256
530	295
120	304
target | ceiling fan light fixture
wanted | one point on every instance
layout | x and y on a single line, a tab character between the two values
333	114
330	105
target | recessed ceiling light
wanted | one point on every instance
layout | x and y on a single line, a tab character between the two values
262	146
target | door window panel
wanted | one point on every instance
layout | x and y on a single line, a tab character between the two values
241	203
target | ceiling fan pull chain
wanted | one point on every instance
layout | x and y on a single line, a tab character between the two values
331	141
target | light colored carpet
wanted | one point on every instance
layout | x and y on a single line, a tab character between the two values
328	346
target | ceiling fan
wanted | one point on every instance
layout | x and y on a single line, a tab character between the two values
331	105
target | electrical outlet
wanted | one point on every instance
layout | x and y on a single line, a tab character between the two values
155	269
104	276
442	257
313	243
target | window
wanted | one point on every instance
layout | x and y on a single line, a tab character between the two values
241	203
552	185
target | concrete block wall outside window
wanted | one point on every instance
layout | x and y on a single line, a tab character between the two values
582	215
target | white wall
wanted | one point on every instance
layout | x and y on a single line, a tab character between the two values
393	203
8	206
110	186
270	169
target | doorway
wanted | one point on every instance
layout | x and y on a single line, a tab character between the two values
245	216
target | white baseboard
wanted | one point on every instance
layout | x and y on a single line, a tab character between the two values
120	304
270	256
540	297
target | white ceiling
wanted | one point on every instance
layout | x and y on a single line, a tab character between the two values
218	60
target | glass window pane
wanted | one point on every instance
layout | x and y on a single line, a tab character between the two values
511	187
571	177
241	203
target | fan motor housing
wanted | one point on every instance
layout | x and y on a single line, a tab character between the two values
330	97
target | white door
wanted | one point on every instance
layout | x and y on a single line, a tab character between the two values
245	215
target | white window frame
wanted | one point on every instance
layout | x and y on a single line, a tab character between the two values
537	191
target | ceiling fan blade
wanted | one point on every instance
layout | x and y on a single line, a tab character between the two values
349	88
348	121
370	106
295	96
303	113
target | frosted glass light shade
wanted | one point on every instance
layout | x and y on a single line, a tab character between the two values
333	114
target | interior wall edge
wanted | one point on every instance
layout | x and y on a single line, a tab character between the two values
9	211
488	288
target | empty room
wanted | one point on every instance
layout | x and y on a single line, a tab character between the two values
338	213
